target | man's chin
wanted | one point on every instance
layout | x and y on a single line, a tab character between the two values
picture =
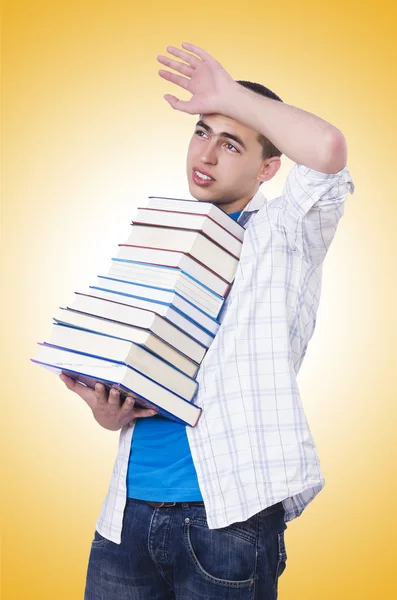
204	194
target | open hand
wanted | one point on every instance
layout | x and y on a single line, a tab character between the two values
202	75
107	407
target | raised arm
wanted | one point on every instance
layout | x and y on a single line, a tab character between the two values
303	137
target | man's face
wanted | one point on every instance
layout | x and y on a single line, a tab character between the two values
231	154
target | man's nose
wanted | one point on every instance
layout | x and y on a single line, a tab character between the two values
209	153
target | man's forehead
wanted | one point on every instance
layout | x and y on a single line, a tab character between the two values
220	123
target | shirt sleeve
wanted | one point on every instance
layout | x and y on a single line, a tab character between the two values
311	206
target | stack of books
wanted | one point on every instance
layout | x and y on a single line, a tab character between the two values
146	325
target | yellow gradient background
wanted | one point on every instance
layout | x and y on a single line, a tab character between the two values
86	136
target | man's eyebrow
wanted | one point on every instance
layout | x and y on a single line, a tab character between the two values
225	134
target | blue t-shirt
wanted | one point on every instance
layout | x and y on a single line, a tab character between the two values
160	466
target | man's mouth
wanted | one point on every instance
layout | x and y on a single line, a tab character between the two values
201	177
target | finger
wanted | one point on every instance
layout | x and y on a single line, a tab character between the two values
199	51
140	413
193	61
174	78
136	413
101	393
129	409
68	381
128	404
114	398
176	65
82	390
86	393
179	104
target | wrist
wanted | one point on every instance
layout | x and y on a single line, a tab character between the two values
232	97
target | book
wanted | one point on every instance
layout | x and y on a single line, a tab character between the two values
189	242
143	337
140	317
170	258
170	314
156	295
89	371
145	326
168	278
200	223
198	207
101	346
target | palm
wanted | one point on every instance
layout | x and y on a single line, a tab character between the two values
202	75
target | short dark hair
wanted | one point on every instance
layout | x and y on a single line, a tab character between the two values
269	149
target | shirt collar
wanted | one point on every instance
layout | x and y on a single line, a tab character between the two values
256	203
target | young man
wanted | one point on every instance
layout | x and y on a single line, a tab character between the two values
200	513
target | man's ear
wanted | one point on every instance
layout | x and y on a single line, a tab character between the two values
269	168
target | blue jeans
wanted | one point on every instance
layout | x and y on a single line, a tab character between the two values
170	554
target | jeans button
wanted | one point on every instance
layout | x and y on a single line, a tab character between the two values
187	520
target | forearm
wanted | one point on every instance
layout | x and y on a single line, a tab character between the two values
303	137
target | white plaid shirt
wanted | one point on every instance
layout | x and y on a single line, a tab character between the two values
252	446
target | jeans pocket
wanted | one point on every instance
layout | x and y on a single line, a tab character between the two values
99	541
282	556
220	556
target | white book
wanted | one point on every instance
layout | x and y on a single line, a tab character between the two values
166	311
192	243
198	207
89	370
201	223
120	351
166	297
143	337
168	258
139	317
128	333
168	278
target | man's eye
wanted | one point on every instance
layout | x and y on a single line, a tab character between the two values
231	146
198	132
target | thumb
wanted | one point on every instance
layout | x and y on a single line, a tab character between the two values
177	104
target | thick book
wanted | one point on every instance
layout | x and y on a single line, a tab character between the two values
164	310
140	317
198	207
156	295
189	242
168	278
89	371
200	223
170	258
98	345
128	333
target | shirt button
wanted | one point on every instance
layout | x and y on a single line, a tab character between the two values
187	520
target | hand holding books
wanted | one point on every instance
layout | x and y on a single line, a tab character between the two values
107	407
